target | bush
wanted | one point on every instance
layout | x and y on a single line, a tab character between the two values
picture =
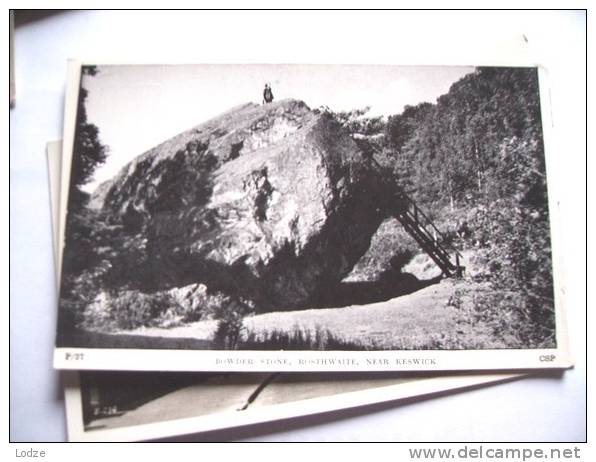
519	245
230	324
127	310
228	331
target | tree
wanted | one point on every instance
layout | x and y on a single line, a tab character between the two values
479	150
88	151
356	122
83	231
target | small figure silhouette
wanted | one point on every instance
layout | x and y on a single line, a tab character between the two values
267	94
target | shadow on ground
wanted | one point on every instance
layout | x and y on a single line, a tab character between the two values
391	284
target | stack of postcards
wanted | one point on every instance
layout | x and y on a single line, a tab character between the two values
224	262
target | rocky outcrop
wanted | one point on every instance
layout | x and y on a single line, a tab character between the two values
266	203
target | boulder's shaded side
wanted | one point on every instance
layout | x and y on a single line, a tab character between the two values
264	202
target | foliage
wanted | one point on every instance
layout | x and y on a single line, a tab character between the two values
355	122
451	150
82	228
519	245
145	235
88	151
127	309
399	130
475	161
230	325
300	339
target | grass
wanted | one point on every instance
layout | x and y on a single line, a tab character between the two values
406	321
299	339
439	317
451	315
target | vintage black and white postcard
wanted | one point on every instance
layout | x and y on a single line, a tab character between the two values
302	217
134	406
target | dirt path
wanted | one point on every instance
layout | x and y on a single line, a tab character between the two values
202	330
409	321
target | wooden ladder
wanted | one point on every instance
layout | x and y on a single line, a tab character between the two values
426	234
418	225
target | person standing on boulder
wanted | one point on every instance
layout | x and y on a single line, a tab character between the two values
267	94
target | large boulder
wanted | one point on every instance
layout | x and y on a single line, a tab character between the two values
267	203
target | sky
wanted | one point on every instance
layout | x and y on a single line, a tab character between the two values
137	107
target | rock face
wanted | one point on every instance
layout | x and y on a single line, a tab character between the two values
263	202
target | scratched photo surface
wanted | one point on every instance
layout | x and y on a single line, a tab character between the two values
309	208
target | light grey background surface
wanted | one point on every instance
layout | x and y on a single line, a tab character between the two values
536	409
